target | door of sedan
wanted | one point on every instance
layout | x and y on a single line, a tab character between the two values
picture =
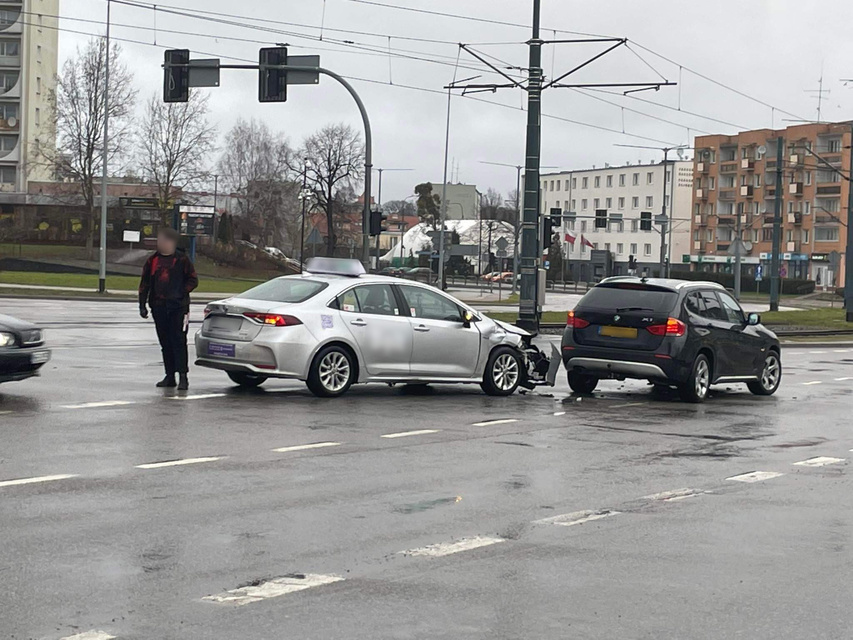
442	347
382	332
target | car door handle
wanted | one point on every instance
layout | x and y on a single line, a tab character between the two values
422	328
358	323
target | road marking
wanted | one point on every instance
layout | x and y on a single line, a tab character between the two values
630	404
406	434
176	463
837	380
272	589
817	351
305	447
201	396
5	413
96	405
20	481
813	382
820	461
755	476
560	413
671	496
90	635
449	548
489	423
577	517
842	350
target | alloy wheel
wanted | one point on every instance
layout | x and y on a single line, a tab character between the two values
505	371
771	372
703	378
334	371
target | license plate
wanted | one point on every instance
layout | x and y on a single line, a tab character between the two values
618	332
39	357
218	323
221	350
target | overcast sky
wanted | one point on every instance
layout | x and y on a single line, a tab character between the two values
773	50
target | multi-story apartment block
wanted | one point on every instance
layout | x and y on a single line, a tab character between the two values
624	192
735	178
28	66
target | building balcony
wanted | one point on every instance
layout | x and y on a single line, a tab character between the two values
826	219
723	218
701	167
700	221
702	194
729	167
796	159
795	218
795	188
746	190
727	194
829	190
748	164
768	219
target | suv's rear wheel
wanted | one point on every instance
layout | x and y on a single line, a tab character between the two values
503	372
332	372
582	383
769	378
697	385
246	380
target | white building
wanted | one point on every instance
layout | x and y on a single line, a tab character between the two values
624	192
463	201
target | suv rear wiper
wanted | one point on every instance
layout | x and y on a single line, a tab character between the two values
623	309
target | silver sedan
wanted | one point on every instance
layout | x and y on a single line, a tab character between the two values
334	326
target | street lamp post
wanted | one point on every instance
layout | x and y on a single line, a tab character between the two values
303	196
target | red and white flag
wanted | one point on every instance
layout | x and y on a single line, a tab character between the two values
586	243
570	238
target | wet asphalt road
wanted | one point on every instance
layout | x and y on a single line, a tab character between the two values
537	516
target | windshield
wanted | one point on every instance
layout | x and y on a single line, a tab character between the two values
288	290
629	299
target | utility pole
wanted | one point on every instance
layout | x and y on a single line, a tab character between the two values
528	308
738	244
848	255
777	227
664	267
102	267
443	211
303	195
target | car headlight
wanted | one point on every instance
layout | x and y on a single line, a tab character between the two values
7	339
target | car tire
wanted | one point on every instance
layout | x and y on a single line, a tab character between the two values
246	380
769	378
582	383
332	372
696	388
503	373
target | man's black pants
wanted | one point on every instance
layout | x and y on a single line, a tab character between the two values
172	332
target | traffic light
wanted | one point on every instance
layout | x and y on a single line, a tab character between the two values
645	221
176	75
632	263
547	233
556	217
377	223
601	218
272	82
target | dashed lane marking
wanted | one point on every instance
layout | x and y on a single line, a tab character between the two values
843	379
305	447
559	413
755	476
489	423
813	382
98	405
177	463
671	496
201	396
630	404
817	351
406	434
5	413
20	481
577	517
842	350
90	635
819	461
449	548
272	589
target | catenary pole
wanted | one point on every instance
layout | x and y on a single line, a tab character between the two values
848	255
663	263
443	210
102	266
777	228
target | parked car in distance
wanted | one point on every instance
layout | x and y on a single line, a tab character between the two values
246	243
421	274
276	253
22	350
391	271
690	335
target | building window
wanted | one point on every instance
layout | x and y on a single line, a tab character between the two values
619	248
8	79
757	179
650	177
574	183
621	204
7	175
38	85
38	53
712	183
767	234
635	202
607	246
596	203
597	182
10	48
583	227
38	117
8	17
610	181
559	184
574	205
621	179
584	183
807	207
635	225
552	185
584	204
567	184
808	179
647	249
709	235
650	202
633	248
833	146
805	236
8	110
825	234
636	179
666	202
608	203
8	143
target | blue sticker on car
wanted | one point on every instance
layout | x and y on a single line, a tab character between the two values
221	350
327	322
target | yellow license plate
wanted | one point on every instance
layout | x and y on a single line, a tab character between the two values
618	332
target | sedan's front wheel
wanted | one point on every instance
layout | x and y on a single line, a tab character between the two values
769	378
503	372
332	372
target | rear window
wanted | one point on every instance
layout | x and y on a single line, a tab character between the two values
624	298
288	290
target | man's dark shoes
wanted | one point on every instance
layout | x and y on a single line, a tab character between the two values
167	383
184	383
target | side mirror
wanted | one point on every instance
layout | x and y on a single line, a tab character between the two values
753	319
467	317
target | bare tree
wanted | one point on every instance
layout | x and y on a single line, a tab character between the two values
490	204
256	164
77	117
175	143
336	154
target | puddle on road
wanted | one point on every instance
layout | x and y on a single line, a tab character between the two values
426	505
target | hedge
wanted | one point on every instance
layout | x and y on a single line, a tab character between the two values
790	286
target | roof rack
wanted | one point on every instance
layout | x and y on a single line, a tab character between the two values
335	267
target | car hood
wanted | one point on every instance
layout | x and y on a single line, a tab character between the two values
511	328
13	324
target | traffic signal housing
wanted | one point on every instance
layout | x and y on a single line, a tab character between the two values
176	75
272	81
377	223
632	263
645	221
556	217
547	232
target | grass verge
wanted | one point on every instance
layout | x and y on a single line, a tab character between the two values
117	283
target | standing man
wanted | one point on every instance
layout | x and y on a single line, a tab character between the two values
168	277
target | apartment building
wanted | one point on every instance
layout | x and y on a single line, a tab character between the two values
735	178
28	66
624	193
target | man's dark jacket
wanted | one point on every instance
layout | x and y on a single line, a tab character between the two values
167	281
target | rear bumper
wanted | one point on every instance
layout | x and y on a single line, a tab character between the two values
20	364
625	363
618	367
274	353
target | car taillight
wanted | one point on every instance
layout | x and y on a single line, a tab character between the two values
272	319
207	311
673	327
576	323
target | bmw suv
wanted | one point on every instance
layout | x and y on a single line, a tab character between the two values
671	332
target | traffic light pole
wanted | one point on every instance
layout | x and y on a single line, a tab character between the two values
848	256
777	229
528	312
105	157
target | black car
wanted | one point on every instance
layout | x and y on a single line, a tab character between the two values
672	332
22	351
